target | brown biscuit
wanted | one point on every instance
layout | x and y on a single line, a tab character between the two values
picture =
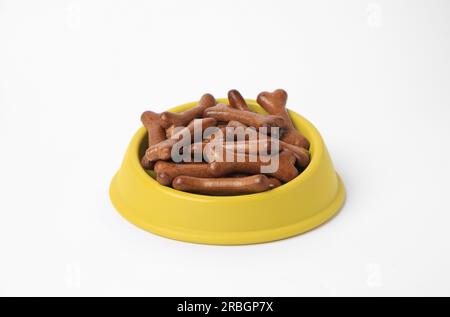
285	172
181	119
275	104
222	112
155	131
222	186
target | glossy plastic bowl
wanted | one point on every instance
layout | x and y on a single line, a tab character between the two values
300	205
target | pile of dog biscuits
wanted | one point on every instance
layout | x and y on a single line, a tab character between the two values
224	150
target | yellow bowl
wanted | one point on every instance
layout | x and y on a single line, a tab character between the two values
300	205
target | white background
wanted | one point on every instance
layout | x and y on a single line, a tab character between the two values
373	76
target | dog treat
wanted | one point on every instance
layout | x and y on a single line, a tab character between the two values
156	133
237	101
167	171
181	119
261	146
222	112
163	150
234	155
217	150
295	138
222	186
160	151
275	104
285	172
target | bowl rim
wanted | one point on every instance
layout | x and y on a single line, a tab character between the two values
316	152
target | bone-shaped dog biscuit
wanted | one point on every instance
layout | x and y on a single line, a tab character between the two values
155	131
221	150
167	171
181	119
222	112
275	104
285	172
222	186
263	145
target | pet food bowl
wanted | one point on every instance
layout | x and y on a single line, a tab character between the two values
307	201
